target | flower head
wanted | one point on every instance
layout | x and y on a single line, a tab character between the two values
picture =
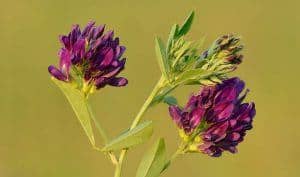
216	119
92	56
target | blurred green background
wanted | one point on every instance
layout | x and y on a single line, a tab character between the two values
40	136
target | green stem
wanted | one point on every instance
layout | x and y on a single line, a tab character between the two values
137	119
102	133
147	103
118	170
175	155
97	124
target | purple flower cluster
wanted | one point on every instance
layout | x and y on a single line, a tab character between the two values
93	55
222	112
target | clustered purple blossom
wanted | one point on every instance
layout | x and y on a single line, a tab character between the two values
93	55
222	112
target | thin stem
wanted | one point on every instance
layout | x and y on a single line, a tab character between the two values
137	119
175	155
97	124
118	170
102	134
147	103
119	166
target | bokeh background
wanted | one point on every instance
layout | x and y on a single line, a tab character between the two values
41	137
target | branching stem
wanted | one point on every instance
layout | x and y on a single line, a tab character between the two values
160	84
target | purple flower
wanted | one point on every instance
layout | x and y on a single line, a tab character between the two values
218	116
93	55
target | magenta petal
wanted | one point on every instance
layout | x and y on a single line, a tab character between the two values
232	149
74	34
98	31
234	136
79	48
101	82
228	94
176	115
118	81
109	56
196	118
216	132
109	35
119	51
192	103
232	122
225	113
246	113
117	70
57	73
65	41
88	28
65	61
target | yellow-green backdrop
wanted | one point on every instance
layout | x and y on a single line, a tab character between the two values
40	136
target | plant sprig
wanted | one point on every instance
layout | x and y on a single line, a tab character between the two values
180	64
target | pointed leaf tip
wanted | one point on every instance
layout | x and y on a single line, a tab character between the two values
186	26
161	56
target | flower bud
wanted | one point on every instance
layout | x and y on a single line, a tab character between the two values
223	55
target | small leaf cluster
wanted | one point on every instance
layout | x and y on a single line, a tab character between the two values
179	55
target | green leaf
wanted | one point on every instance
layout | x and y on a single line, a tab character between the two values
79	105
186	25
160	97
153	161
170	100
172	35
191	75
130	138
161	57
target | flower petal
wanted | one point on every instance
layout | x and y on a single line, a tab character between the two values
87	29
176	114
57	73
65	61
118	81
108	58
